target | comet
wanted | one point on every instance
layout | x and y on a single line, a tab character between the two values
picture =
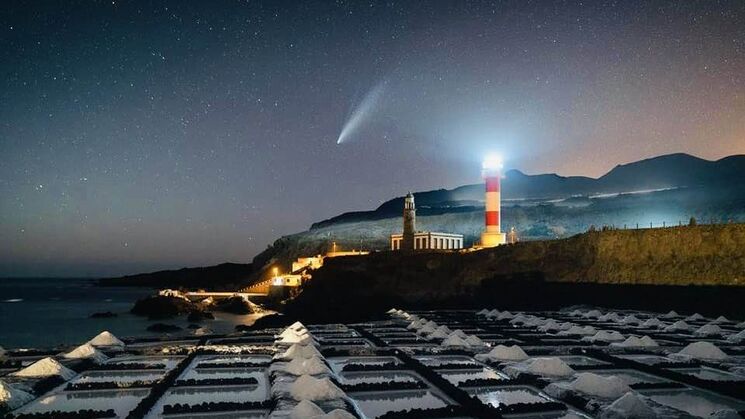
362	112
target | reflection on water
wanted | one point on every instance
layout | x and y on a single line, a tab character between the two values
119	376
378	377
509	396
377	404
122	401
706	373
458	376
631	377
695	402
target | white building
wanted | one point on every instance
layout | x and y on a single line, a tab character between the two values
429	240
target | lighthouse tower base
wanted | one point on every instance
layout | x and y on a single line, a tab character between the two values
492	239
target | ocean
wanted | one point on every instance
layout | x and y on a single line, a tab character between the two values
49	312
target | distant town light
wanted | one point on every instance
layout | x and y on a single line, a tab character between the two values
492	162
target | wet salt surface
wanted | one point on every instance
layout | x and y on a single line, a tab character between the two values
706	373
575	360
436	361
122	401
646	359
509	395
205	360
338	363
170	362
459	376
375	404
379	377
630	377
119	376
206	394
222	373
695	402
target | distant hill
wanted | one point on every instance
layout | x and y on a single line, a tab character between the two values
223	276
664	172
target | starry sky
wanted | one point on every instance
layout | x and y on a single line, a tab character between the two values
139	135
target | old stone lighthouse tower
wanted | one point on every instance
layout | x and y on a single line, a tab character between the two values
407	242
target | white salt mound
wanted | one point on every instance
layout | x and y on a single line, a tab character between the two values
482	312
505	315
703	350
474	340
593	314
630	405
721	319
507	353
709	329
454	341
631	319
679	325
606	336
597	385
46	367
635	342
306	409
106	338
300	351
461	334
694	317
13	397
548	366
314	389
647	341
338	414
310	366
671	314
737	337
579	330
438	334
86	351
653	322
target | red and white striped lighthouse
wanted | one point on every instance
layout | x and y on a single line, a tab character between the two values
492	173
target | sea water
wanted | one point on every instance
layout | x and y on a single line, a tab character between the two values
48	312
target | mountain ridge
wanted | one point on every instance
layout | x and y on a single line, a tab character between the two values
677	170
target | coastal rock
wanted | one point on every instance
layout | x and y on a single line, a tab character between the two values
161	306
199	315
235	305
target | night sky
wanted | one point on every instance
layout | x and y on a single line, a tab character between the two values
138	135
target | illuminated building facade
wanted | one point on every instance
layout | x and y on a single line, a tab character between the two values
412	240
